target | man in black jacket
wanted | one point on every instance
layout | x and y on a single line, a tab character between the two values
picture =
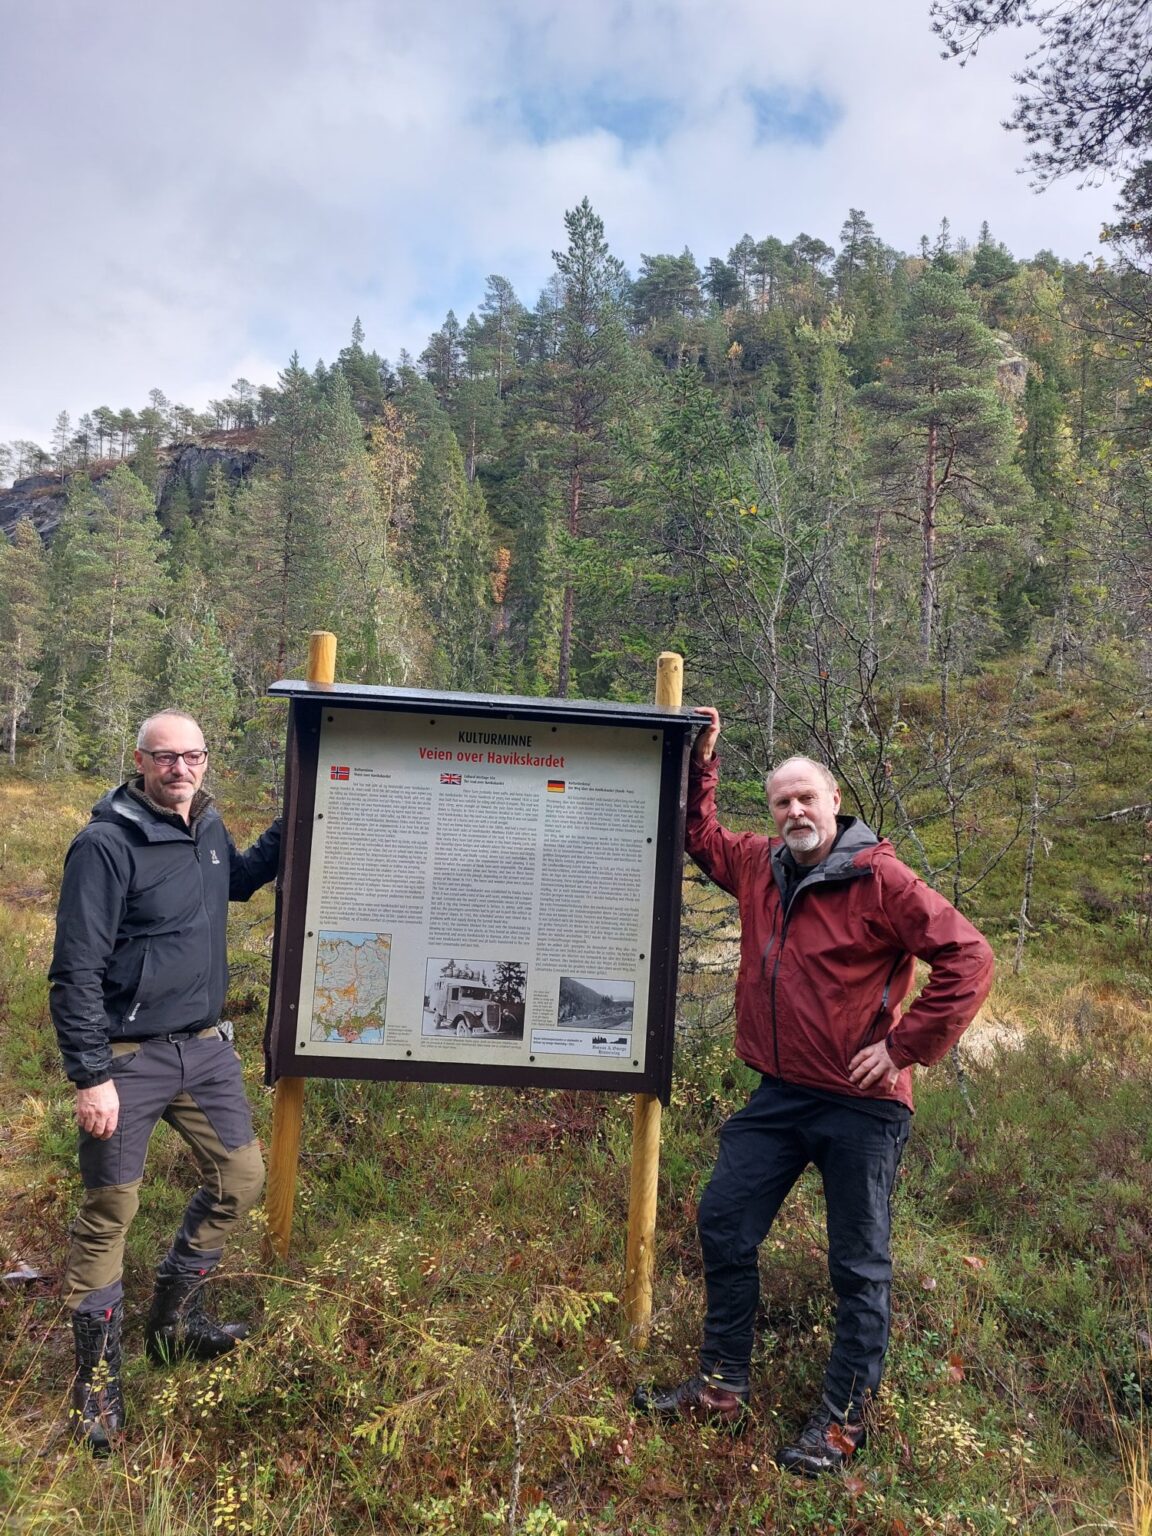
138	982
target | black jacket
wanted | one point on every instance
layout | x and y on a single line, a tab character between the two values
142	926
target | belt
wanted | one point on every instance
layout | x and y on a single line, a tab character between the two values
181	1034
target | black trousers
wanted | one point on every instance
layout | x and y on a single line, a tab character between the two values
764	1148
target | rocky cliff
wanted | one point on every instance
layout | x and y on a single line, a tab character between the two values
40	498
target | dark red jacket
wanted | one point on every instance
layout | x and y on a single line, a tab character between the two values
829	978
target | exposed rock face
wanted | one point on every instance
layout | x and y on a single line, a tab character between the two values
1011	371
40	498
237	454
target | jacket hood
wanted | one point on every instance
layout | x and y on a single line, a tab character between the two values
854	837
154	824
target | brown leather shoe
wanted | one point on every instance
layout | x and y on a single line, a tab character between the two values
697	1398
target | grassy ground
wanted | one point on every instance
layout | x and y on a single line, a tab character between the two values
444	1351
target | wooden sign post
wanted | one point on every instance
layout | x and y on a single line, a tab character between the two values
640	1256
288	1108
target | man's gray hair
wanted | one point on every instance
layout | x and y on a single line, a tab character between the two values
163	714
819	769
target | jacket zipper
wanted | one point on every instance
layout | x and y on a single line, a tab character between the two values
138	1000
787	918
207	916
768	948
772	990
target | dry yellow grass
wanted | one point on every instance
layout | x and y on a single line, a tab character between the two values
1136	1455
1067	1011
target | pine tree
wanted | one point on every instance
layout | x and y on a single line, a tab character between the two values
107	429
532	588
125	572
442	360
23	610
107	588
197	666
365	374
70	610
583	392
722	283
297	531
368	604
858	242
670	572
942	439
62	444
477	417
501	314
447	543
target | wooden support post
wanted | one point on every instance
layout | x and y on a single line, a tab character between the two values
646	1119
288	1108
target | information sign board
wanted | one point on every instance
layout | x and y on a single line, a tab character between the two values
478	889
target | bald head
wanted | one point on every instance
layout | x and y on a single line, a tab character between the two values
804	799
162	718
808	763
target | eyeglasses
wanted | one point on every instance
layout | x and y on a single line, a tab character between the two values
192	759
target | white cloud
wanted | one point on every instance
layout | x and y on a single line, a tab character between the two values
192	195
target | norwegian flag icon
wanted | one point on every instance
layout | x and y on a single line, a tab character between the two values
339	772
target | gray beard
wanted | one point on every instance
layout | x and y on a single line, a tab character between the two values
802	841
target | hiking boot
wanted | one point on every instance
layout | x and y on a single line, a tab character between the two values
826	1444
700	1398
96	1414
178	1328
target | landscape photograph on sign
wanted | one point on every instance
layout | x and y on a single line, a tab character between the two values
350	989
483	999
598	1004
594	1017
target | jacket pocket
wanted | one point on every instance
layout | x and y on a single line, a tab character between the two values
173	983
883	1011
870	1035
141	992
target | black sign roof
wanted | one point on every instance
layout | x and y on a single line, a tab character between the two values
425	700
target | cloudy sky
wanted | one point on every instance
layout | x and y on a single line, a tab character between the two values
193	192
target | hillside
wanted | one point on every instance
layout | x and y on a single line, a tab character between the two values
894	510
443	1351
834	477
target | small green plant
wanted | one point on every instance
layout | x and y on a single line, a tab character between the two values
540	1520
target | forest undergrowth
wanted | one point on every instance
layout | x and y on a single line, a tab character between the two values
444	1350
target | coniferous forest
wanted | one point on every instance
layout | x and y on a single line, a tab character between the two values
844	481
889	463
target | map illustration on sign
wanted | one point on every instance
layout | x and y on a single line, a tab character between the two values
350	996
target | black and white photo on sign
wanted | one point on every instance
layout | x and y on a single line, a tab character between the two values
595	1003
475	998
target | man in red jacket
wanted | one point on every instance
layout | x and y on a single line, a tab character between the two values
831	926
